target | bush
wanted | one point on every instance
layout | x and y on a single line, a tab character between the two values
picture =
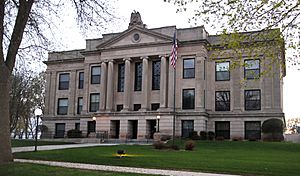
74	133
194	135
159	145
275	137
203	135
237	138
252	138
189	145
175	147
211	135
165	137
272	126
220	138
273	130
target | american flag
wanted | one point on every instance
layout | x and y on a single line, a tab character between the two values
174	51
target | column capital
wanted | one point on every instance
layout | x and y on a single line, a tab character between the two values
105	61
127	59
164	55
111	61
144	57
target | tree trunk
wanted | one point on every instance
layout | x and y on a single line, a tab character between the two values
5	143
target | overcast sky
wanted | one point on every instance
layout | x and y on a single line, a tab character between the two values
156	13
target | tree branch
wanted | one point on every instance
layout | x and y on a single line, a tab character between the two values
16	38
2	9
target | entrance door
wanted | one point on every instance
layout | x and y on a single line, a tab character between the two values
91	127
151	128
132	129
115	129
59	130
187	128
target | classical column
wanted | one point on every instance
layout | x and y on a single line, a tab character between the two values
127	84
110	86
123	129
145	84
86	85
200	83
171	87
103	86
236	89
163	83
52	93
72	93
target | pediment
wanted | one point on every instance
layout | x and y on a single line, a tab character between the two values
135	36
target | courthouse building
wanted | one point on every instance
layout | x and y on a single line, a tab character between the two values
121	83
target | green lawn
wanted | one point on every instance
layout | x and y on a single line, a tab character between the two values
29	142
247	158
18	169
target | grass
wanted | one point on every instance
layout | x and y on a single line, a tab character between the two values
29	142
246	158
17	169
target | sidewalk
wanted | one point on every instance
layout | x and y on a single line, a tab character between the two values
55	147
118	168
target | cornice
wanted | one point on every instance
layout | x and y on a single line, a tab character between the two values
59	61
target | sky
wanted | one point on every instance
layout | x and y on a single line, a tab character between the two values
157	13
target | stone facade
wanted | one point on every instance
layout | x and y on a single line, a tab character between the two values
126	100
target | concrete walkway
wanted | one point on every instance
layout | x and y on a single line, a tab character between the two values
118	168
55	147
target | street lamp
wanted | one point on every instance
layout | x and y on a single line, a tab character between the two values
94	118
158	118
37	112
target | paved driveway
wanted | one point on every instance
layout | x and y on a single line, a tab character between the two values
55	147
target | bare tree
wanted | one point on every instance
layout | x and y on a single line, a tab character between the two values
26	94
22	32
237	19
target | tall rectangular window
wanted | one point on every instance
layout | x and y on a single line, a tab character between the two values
94	102
222	129
155	75
60	130
187	127
138	76
252	100
222	71
189	68
252	130
121	77
62	106
188	99
79	105
222	101
95	74
77	126
80	80
252	69
64	81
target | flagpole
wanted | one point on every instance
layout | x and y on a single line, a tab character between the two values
173	63
174	103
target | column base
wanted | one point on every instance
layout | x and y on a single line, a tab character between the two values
141	136
123	136
108	110
200	109
125	110
143	110
163	109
